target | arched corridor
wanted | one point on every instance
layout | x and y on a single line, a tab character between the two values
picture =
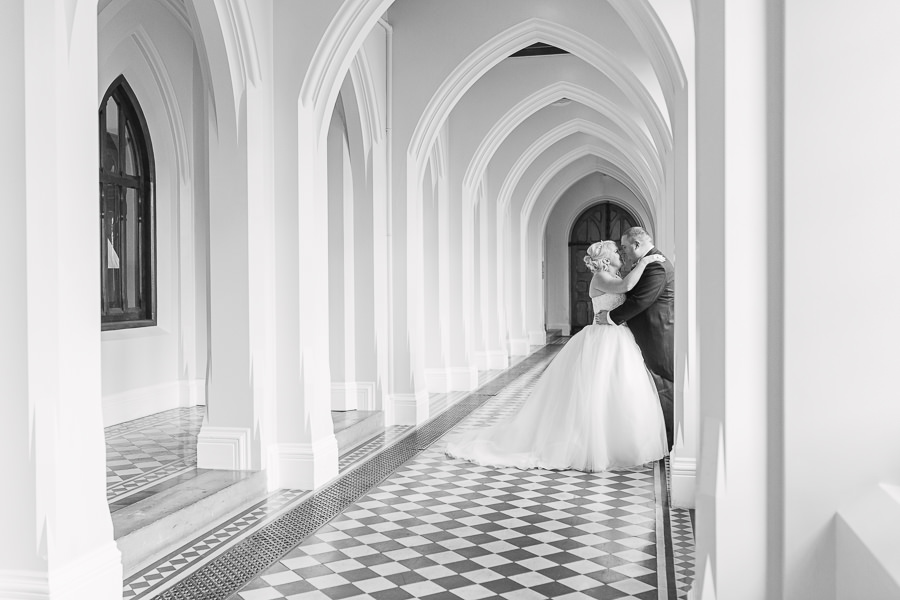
326	228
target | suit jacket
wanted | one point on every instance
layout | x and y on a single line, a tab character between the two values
649	309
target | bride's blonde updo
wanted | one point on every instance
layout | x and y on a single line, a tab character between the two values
598	254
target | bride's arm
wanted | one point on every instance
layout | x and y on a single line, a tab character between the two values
613	285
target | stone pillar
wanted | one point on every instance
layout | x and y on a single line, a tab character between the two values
683	462
436	374
241	248
408	392
493	353
58	542
342	267
514	261
737	502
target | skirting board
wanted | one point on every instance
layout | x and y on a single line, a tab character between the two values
463	379
141	402
451	379
684	481
223	448
353	395
537	338
97	575
302	466
437	380
564	328
491	360
407	409
519	347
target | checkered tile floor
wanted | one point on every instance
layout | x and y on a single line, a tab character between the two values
143	452
441	528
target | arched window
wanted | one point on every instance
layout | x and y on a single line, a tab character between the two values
127	215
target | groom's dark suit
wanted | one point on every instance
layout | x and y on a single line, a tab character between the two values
649	309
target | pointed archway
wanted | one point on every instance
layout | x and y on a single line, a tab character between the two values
602	221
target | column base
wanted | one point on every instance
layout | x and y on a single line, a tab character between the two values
684	481
226	448
491	360
463	379
437	380
564	328
303	466
97	575
407	409
352	395
519	347
537	337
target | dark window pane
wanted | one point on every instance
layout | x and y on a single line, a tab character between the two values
111	142
112	235
132	247
131	160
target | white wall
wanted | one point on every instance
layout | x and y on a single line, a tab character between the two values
841	323
149	369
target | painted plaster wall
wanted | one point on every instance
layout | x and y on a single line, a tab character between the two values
840	403
145	370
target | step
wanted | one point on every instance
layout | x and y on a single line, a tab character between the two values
354	427
152	528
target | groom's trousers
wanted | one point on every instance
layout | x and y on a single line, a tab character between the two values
666	390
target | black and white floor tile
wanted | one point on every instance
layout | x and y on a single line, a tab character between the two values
404	521
144	452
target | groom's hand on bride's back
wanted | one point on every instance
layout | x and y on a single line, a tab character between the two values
600	318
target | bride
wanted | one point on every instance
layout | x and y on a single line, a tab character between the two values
595	407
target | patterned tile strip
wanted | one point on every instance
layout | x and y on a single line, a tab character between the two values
178	564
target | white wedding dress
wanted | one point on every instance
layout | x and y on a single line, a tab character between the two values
594	408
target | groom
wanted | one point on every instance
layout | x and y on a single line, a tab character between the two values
649	309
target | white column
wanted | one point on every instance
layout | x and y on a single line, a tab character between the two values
240	381
534	273
737	244
408	396
58	541
381	288
341	288
363	252
436	374
456	259
514	266
493	353
683	462
304	453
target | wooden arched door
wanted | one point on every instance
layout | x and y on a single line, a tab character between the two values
603	221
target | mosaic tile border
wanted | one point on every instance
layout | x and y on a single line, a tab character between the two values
365	449
136	484
683	548
177	564
226	574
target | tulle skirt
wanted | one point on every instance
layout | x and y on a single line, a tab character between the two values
594	408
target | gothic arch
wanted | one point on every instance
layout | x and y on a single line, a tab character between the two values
558	165
539	146
514	38
538	100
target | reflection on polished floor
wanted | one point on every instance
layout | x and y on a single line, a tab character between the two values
404	521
